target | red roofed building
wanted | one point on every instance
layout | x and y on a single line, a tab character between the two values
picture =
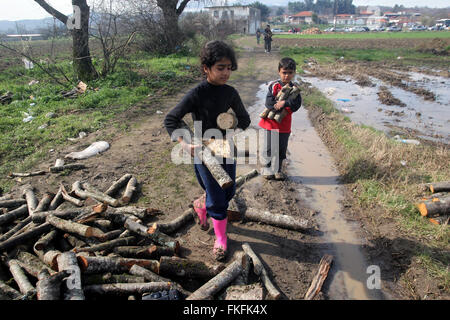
302	17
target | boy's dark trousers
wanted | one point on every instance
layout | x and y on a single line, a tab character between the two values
268	45
274	149
217	199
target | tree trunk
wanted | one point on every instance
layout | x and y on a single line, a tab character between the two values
434	208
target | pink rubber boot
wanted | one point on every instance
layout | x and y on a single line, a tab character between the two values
200	209
220	245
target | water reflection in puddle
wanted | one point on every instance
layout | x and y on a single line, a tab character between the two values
430	119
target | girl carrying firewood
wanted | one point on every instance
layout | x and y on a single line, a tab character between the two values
205	102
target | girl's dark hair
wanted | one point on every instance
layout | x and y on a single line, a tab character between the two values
216	50
287	63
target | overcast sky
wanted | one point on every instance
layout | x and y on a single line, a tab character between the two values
29	9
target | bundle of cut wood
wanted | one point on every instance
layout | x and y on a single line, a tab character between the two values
436	207
312	31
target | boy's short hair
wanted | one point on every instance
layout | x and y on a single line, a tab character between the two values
216	50
287	63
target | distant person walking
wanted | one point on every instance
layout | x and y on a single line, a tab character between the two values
258	36
267	39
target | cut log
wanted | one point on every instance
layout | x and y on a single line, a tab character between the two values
9	292
74	227
439	186
57	200
68	262
127	288
69	198
12	203
113	265
40	217
319	278
148	252
77	188
30	197
169	227
437	196
20	277
25	222
129	190
260	271
26	174
32	264
91	279
179	267
45	240
441	220
234	213
74	241
27	235
277	220
45	202
434	208
153	233
49	256
141	213
49	286
102	224
117	185
220	281
13	215
72	166
248	292
245	177
227	120
108	245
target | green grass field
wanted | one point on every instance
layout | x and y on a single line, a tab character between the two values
369	35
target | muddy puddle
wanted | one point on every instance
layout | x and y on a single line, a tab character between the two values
311	169
429	120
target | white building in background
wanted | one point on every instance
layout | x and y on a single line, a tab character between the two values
244	19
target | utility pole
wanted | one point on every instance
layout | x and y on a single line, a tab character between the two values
334	12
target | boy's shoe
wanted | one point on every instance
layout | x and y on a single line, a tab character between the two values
267	173
220	245
280	176
200	209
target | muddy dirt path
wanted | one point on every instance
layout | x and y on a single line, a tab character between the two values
291	257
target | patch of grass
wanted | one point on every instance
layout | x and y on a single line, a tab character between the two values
368	35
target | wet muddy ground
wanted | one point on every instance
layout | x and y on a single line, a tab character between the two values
311	192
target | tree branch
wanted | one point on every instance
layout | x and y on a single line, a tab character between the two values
183	5
58	15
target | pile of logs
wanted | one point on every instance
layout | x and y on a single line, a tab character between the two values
436	207
87	243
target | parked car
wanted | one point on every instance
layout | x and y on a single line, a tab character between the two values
378	29
360	29
394	29
418	28
277	30
436	28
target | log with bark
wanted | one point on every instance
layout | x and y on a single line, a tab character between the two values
45	202
74	227
7	291
69	198
67	262
227	120
114	265
12	203
40	217
20	277
77	188
27	235
127	288
180	267
171	226
32	264
106	278
434	208
319	278
26	174
245	177
146	252
260	271
71	166
22	224
277	220
49	286
117	185
141	213
439	186
152	233
13	215
129	191
441	220
220	281
57	200
30	197
108	245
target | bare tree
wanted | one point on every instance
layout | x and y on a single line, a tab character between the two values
82	61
